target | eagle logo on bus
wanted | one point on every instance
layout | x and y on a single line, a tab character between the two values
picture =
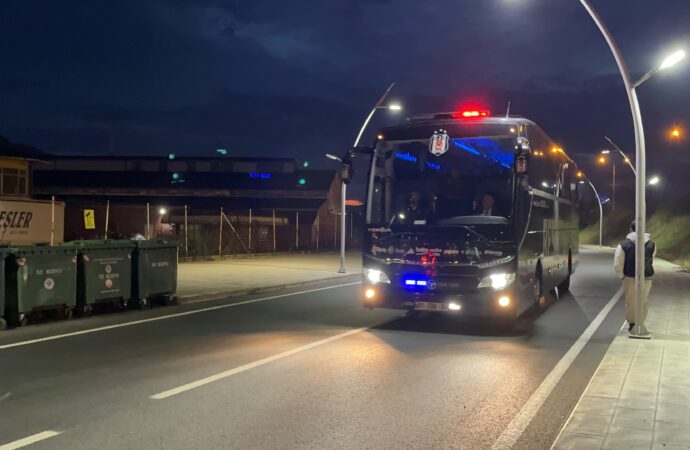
438	143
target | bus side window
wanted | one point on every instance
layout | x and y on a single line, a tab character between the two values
542	168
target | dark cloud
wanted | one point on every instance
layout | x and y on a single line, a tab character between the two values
296	78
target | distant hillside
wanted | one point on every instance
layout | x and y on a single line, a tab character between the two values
670	230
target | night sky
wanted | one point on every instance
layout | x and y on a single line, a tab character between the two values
270	77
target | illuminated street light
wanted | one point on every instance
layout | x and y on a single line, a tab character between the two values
162	211
395	107
675	134
605	152
672	59
602	160
584	179
654	180
639	330
625	157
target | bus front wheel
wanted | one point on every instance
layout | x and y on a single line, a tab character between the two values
565	284
538	287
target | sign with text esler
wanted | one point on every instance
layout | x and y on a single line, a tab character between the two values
25	222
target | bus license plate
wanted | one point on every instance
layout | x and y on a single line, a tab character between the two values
430	306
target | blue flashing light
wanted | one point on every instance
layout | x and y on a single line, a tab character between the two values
406	157
416	282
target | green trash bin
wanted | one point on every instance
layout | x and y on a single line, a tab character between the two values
4	251
40	277
155	271
104	273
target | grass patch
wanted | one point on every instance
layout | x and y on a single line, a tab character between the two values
670	231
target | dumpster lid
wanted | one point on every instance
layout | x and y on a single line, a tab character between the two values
155	243
100	244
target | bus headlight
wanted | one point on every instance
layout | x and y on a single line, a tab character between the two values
375	276
497	281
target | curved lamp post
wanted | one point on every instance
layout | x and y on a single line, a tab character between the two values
343	190
639	330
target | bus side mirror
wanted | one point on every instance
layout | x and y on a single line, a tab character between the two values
522	151
346	173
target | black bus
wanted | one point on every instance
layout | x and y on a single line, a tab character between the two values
470	214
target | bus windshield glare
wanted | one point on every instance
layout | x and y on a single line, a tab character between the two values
469	184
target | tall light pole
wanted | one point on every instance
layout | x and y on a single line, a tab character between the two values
343	189
639	330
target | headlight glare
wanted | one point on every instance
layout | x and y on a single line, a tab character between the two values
375	276
497	281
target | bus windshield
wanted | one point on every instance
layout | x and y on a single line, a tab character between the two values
470	183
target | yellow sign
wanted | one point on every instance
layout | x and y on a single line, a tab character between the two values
89	219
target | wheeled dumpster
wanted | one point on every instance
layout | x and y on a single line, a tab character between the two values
154	271
40	277
3	312
104	273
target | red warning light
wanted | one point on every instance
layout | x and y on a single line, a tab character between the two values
473	113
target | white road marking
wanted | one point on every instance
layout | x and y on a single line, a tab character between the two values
594	375
169	316
252	365
29	440
523	418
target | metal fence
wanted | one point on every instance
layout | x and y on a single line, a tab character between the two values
215	231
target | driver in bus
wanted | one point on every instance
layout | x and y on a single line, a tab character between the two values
486	205
415	208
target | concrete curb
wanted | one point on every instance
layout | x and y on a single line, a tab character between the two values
189	299
192	259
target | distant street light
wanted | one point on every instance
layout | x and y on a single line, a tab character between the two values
639	330
625	157
675	134
654	180
343	194
162	211
583	178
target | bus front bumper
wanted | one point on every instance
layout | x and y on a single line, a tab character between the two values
480	302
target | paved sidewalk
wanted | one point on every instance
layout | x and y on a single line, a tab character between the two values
242	275
639	398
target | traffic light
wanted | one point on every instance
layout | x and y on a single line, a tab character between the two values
302	181
305	164
171	156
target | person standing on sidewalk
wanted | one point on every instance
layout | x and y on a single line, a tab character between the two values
624	264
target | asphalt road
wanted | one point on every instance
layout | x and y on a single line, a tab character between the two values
299	370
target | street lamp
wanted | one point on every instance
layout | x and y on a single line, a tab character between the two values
654	180
162	211
618	149
601	207
639	330
675	134
343	191
603	160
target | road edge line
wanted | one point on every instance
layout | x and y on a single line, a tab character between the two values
516	427
570	416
